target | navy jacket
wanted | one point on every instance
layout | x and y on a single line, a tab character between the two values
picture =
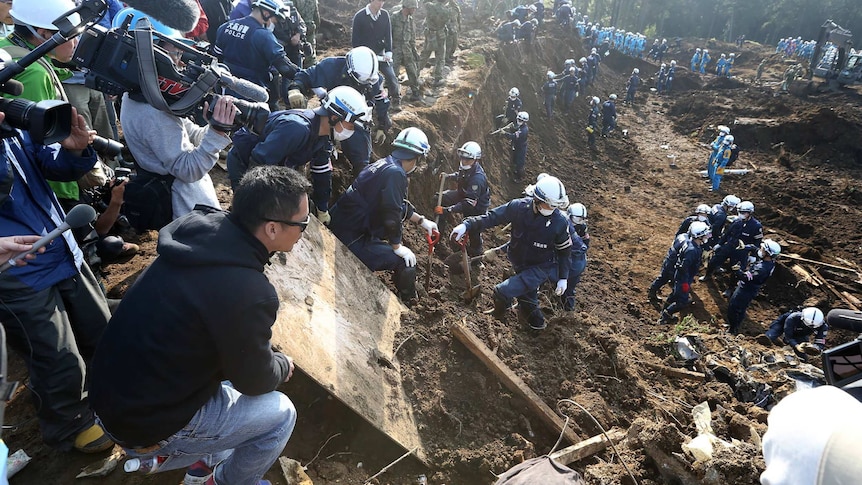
749	231
535	239
473	192
609	110
248	49
32	208
290	138
755	275
688	263
512	108
796	332
375	34
519	138
374	204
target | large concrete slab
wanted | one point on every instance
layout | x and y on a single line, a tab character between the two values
338	322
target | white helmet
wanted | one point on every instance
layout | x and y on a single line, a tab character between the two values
577	213
723	130
412	139
523	116
746	206
514	93
732	55
593	51
706	51
636	71
697	50
672	63
663	65
770	248
812	317
362	65
470	150
723	56
595	100
731	201
569	62
551	74
612	97
346	103
699	229
727	140
42	13
551	191
703	209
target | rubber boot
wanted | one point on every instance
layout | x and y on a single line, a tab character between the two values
501	305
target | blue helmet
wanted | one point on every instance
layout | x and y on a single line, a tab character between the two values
137	15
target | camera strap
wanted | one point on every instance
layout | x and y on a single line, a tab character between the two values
150	81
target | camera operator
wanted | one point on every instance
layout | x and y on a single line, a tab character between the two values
100	246
34	25
53	309
249	48
172	148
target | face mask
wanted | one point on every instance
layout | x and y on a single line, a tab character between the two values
341	135
465	167
760	253
546	212
271	27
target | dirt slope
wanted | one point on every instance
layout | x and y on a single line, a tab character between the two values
807	196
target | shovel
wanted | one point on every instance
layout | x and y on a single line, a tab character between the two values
472	291
432	239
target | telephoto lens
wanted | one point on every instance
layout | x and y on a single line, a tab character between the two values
106	147
48	121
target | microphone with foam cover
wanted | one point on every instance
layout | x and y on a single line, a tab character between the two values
244	88
79	216
182	15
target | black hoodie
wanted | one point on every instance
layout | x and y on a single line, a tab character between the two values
200	314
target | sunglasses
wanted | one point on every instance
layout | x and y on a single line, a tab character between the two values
301	225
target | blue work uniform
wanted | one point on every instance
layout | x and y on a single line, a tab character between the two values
290	138
687	267
668	266
569	86
513	105
472	197
609	117
792	329
248	49
716	147
549	92
671	72
661	81
539	250
519	147
695	61
750	281
717	220
592	126
704	61
332	72
632	88
720	161
748	231
580	243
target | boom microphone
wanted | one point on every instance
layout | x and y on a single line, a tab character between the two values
182	15
244	88
79	216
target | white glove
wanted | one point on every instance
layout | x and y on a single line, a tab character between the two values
324	217
407	254
561	287
458	232
429	226
387	57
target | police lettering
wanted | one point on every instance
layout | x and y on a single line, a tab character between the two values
540	245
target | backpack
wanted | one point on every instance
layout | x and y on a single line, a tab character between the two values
147	200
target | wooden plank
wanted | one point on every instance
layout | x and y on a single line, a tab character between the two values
852	299
674	372
512	381
805	275
588	447
834	291
820	263
338	321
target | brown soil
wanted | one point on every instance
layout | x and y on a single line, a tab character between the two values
637	188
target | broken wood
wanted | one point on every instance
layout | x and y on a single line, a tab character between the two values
674	372
588	447
805	275
834	291
671	469
852	299
821	263
512	381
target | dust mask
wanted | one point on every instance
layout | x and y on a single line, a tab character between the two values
546	212
343	134
465	167
271	27
760	253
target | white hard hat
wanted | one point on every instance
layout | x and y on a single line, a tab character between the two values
812	317
745	206
42	13
770	247
636	71
514	93
348	104
551	74
723	129
551	191
731	200
471	150
523	116
577	213
612	97
362	65
699	229
412	139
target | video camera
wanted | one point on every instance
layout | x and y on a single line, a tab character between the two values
122	60
842	365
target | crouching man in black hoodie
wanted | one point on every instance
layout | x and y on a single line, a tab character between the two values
185	375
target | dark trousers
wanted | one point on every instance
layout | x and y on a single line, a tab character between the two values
56	331
474	246
737	306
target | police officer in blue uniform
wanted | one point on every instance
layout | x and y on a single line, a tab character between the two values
519	143
743	235
609	115
668	266
632	86
794	329
368	217
249	48
359	70
539	248
578	231
685	270
701	213
569	86
718	217
751	278
295	137
472	197
549	93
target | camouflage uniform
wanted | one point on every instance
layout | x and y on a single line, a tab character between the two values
436	18
310	13
453	27
404	44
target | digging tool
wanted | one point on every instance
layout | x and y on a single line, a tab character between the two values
472	291
500	130
432	239
490	254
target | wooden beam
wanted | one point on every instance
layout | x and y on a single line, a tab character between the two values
821	263
512	381
805	275
588	447
852	299
834	291
674	372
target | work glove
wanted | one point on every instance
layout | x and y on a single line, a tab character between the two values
296	99
324	217
458	232
387	57
561	287
808	349
429	226
407	255
439	210
490	255
685	287
379	136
